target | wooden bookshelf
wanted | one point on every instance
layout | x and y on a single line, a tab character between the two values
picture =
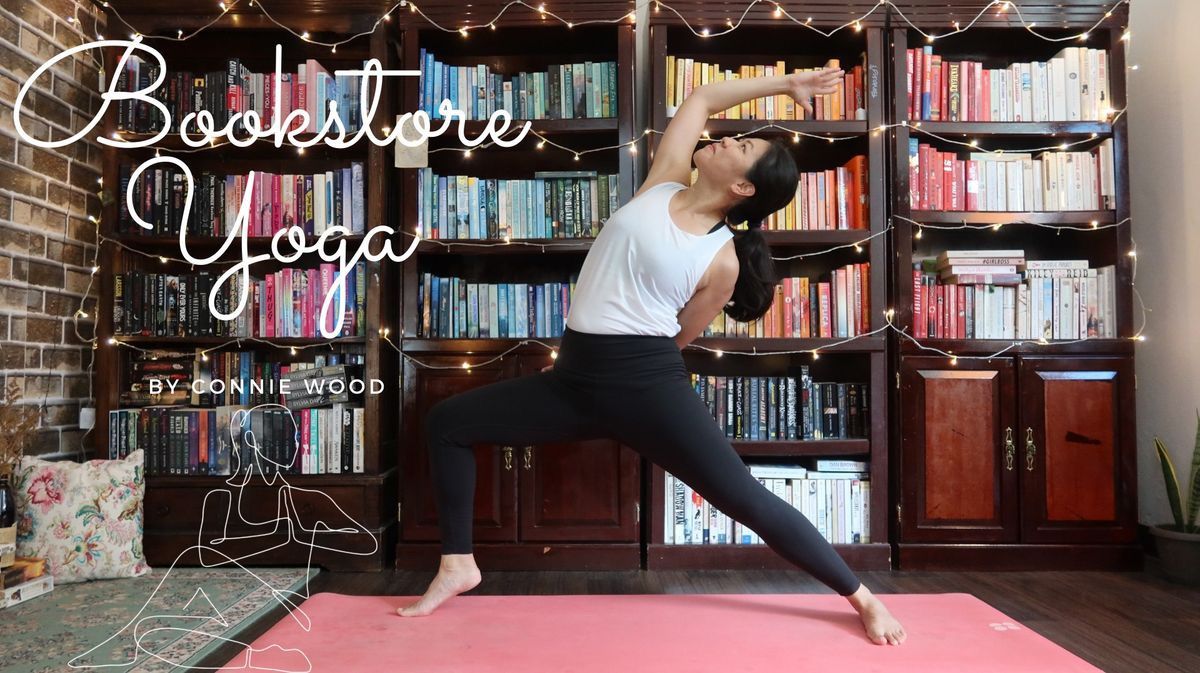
516	526
865	356
174	504
1026	423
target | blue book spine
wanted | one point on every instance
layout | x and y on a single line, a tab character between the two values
422	97
539	313
925	97
502	310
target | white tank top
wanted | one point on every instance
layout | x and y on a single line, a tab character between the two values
641	269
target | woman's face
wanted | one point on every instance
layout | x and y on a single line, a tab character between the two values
728	160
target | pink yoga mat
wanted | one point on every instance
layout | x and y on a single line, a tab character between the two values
659	633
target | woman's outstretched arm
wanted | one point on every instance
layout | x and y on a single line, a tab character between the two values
673	157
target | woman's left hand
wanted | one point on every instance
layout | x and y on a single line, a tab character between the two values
802	86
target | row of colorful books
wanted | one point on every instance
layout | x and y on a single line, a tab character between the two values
804	308
180	441
997	294
455	308
286	303
1011	182
310	87
193	377
312	201
684	74
768	408
554	204
1071	86
835	198
835	497
564	91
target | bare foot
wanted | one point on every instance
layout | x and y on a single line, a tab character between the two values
457	573
881	627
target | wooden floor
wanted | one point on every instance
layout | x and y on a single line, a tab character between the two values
1120	622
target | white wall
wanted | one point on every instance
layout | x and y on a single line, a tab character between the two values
1164	151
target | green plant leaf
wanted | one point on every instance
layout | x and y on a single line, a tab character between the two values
1193	502
1171	482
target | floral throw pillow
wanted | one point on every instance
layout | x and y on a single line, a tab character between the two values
85	519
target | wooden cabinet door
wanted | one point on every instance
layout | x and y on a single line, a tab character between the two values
579	491
959	480
1077	450
495	466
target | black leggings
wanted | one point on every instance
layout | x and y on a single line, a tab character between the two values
634	389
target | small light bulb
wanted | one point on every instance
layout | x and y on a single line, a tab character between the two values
576	156
778	11
465	365
720	353
918	233
954	360
163	260
704	32
204	356
304	35
553	355
111	341
463	31
633	149
82	314
795	137
815	355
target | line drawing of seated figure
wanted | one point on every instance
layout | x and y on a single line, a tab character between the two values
155	619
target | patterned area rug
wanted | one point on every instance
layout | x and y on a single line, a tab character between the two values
180	617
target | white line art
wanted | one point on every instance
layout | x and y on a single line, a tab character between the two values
287	519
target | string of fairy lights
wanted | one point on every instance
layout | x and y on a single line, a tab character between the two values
778	11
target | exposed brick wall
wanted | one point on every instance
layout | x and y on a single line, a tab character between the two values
47	243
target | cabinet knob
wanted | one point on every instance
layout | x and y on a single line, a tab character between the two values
508	458
1010	449
1030	449
528	456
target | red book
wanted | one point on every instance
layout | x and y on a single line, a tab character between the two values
943	86
951	311
925	161
269	306
946	182
961	329
823	293
918	314
858	300
939	331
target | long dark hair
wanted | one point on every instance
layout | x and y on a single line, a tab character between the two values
774	177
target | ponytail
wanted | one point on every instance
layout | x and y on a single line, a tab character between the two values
755	288
774	177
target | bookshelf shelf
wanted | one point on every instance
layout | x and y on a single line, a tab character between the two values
473	127
812	238
306	480
816	447
248	341
989	346
868	556
1081	217
863	344
831	127
1017	129
209	244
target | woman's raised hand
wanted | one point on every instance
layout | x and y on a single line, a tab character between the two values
802	86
